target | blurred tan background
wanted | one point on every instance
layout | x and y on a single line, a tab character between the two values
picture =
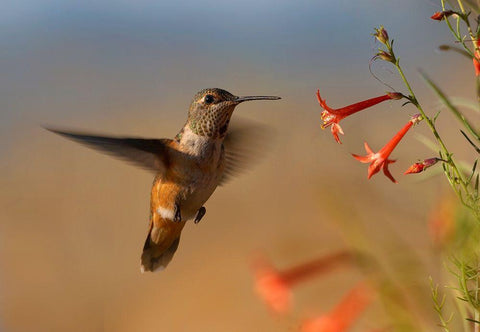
73	221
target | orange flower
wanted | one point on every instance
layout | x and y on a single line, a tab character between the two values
380	159
274	286
331	117
342	317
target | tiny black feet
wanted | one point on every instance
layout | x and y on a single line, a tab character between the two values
178	216
200	213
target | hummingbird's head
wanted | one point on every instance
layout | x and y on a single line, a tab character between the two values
211	109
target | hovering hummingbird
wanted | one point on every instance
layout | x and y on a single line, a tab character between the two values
187	168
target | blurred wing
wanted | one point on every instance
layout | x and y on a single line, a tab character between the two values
245	144
150	154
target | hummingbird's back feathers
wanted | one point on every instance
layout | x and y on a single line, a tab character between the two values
245	144
150	154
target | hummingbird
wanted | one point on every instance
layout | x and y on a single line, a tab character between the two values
188	168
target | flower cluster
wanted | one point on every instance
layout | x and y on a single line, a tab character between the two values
385	52
379	160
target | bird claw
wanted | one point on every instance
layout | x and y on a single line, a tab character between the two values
178	215
200	213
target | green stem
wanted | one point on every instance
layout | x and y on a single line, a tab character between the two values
469	28
456	34
477	314
450	161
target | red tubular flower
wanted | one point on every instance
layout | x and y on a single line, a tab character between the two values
274	286
419	167
380	159
342	317
331	117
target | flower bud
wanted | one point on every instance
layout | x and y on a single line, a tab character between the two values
385	56
440	16
419	167
416	118
381	35
395	95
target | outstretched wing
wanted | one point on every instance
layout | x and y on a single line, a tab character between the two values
245	144
150	154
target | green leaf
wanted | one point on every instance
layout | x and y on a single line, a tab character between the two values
470	141
461	102
473	172
450	106
464	166
476	186
455	49
426	141
473	5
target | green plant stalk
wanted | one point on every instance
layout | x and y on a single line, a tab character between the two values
439	306
477	314
459	304
467	22
468	295
452	108
457	33
448	155
474	38
472	204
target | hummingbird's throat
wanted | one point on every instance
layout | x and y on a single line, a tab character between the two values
212	124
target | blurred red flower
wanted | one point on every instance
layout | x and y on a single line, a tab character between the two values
342	317
441	221
274	286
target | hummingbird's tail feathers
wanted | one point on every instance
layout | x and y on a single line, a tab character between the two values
154	258
150	154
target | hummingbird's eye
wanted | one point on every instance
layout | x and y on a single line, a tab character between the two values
208	99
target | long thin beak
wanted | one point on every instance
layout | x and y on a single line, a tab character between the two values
248	98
